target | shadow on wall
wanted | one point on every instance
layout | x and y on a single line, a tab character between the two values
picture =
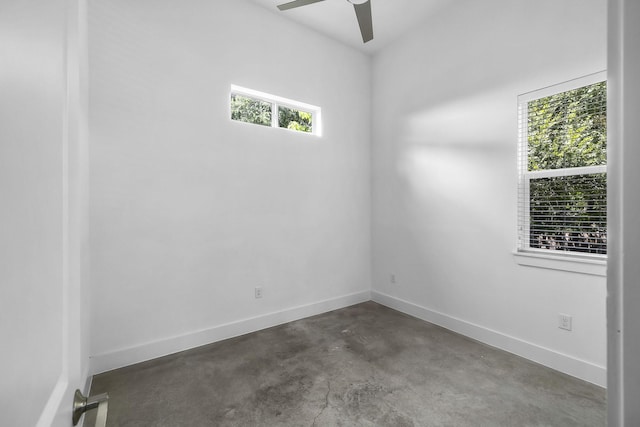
445	152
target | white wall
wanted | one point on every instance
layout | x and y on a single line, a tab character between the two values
444	176
189	210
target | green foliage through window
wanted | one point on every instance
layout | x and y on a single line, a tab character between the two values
250	110
568	129
290	118
263	109
567	211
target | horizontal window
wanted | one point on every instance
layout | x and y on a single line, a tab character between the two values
264	109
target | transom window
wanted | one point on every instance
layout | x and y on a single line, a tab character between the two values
251	106
562	159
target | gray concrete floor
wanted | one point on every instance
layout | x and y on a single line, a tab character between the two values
365	365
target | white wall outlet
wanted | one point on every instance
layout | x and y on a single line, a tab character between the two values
564	321
392	279
258	291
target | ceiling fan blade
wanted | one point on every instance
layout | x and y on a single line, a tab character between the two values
296	3
363	12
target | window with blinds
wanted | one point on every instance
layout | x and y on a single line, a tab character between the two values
562	158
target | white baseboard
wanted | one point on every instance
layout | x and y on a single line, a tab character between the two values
570	365
143	352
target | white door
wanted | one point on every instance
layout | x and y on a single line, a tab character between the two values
42	211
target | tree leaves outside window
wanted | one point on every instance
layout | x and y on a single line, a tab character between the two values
290	118
260	112
568	130
250	110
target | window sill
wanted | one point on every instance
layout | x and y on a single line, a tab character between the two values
594	267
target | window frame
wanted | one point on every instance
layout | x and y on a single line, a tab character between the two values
276	102
524	254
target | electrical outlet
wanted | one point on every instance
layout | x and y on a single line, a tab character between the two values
258	291
392	279
564	321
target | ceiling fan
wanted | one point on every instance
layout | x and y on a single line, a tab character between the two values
362	8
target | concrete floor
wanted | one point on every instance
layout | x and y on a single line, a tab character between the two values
364	365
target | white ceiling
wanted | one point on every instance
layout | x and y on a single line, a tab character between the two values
337	19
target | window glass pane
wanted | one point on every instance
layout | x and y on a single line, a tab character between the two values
568	129
569	213
250	110
290	118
